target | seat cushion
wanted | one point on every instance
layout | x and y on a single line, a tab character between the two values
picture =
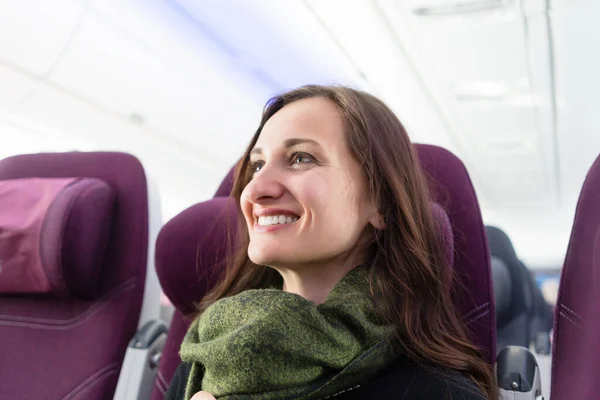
53	235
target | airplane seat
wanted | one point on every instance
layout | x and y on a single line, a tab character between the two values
73	260
576	343
451	187
503	294
513	324
190	255
528	315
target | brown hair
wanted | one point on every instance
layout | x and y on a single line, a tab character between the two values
408	267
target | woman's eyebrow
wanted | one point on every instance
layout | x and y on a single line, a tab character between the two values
296	141
288	143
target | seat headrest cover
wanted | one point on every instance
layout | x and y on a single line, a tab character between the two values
53	235
445	230
191	249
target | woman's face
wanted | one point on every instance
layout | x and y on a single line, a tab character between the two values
307	201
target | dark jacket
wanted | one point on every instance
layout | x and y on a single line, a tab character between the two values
403	380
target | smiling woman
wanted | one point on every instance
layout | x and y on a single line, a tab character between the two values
340	284
301	167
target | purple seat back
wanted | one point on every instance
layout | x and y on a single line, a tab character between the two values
53	347
195	234
451	187
576	343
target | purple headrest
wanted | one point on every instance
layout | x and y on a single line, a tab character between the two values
190	249
53	233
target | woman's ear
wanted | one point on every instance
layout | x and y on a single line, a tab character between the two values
377	220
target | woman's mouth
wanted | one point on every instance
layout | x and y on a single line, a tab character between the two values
271	220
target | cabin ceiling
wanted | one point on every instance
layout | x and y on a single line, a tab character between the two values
509	86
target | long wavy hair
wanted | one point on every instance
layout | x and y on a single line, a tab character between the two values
408	266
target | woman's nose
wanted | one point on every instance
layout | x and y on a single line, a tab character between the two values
266	185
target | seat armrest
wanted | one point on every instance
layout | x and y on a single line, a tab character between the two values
518	374
141	362
148	334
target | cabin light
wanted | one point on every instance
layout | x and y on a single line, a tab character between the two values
482	90
444	8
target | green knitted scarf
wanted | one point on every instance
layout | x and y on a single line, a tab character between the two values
265	344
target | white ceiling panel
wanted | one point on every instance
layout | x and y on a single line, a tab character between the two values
17	141
388	71
14	86
161	30
181	84
34	32
575	26
281	40
61	110
20	136
480	66
126	77
487	46
172	35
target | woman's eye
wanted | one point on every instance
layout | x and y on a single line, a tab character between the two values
256	166
302	158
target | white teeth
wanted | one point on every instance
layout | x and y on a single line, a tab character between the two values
276	219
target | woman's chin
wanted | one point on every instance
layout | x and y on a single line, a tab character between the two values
261	256
269	256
